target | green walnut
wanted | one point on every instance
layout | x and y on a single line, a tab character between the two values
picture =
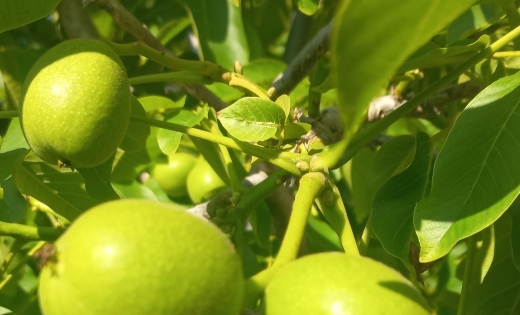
172	177
136	257
203	182
76	104
336	283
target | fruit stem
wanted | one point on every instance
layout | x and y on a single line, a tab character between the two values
285	160
178	77
340	153
311	186
364	242
9	114
334	211
212	70
29	232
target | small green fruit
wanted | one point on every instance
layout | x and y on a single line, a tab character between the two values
137	257
203	183
172	177
76	104
335	283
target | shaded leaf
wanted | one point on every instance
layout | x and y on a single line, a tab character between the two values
260	220
477	18
17	13
252	119
169	140
264	71
60	189
137	133
476	176
14	204
436	56
514	213
15	63
394	203
295	130
386	162
365	25
499	293
129	164
97	181
13	147
220	31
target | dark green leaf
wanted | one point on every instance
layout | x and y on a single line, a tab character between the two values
514	213
60	189
394	203
220	31
13	147
476	19
17	13
499	292
14	204
252	119
137	133
476	176
97	181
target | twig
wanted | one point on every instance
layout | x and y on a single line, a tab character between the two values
302	64
132	25
29	232
75	21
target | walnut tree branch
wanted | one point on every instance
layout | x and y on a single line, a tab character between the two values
131	24
75	21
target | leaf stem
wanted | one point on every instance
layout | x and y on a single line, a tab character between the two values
212	70
29	232
178	77
9	114
340	153
311	186
236	79
364	242
285	160
468	274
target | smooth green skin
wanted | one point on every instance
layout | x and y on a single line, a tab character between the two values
172	177
339	284
76	104
136	257
203	183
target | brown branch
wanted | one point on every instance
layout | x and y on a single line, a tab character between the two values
75	20
303	63
132	25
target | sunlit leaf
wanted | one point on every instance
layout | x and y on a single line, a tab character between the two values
362	71
154	102
252	119
169	140
478	18
264	71
476	176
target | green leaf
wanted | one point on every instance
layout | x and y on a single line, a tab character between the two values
15	63
17	13
394	203
137	133
477	18
366	25
514	213
499	292
14	204
252	119
476	176
129	164
220	31
60	189
436	56
264	71
390	157
169	140
133	189
97	181
260	220
285	103
153	103
295	130
13	147
308	7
